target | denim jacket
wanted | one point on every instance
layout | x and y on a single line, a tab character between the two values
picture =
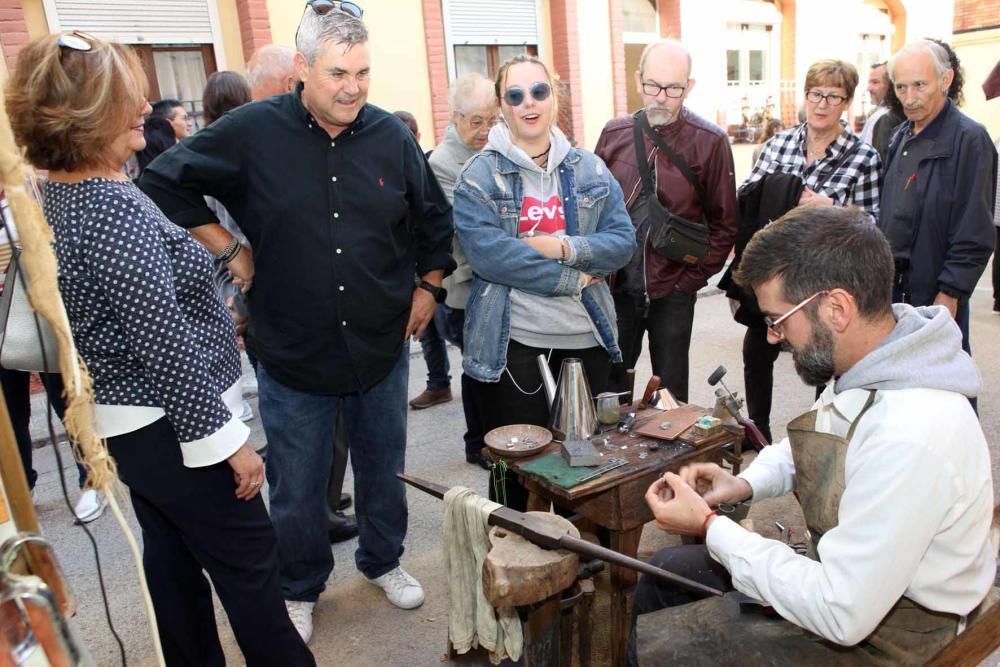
487	207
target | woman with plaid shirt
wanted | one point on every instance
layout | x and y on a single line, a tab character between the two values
836	168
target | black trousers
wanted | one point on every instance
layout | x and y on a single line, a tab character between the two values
652	594
669	321
758	376
503	403
996	272
17	394
192	522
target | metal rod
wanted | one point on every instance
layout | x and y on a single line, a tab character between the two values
541	534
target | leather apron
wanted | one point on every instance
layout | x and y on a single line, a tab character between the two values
714	631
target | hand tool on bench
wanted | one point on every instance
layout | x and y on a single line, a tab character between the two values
544	536
754	436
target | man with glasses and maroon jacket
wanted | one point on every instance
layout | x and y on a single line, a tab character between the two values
653	293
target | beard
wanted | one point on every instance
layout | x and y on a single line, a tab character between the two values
659	116
814	362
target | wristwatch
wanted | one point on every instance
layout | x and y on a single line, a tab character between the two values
439	293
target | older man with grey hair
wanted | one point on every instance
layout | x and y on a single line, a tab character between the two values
271	71
938	188
474	111
342	211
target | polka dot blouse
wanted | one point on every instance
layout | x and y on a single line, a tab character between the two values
144	313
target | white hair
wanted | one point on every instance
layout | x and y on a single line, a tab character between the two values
334	27
270	63
942	63
470	92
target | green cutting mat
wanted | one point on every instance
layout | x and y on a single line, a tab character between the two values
554	468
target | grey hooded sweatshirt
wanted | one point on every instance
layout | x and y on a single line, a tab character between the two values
923	351
559	322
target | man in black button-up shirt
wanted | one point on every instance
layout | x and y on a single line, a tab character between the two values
341	210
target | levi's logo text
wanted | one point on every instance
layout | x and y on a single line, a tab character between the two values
542	218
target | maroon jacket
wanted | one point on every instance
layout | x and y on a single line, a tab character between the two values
705	147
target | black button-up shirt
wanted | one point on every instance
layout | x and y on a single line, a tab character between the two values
338	228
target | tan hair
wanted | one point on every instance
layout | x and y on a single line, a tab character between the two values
67	106
526	58
833	73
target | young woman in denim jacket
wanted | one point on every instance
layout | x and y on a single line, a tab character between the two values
543	225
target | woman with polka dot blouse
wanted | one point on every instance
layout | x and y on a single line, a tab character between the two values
161	349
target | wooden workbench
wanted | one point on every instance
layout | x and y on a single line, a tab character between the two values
615	501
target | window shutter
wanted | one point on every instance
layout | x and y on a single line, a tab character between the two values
492	21
138	22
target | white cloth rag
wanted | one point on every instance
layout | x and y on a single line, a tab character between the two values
472	620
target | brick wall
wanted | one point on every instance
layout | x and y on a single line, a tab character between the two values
255	25
670	18
13	30
619	76
437	66
974	14
566	59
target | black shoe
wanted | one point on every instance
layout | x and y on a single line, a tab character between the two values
344	529
478	459
345	502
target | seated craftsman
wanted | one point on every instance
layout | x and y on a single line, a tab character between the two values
891	469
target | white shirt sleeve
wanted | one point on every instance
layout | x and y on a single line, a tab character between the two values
772	473
896	497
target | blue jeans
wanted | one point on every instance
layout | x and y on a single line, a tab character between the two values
300	429
435	349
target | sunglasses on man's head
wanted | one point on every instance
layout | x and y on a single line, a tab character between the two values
326	6
539	91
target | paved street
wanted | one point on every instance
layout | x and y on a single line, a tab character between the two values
355	624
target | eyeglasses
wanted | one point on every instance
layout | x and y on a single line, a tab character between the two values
832	99
673	90
774	324
539	90
77	41
478	122
322	7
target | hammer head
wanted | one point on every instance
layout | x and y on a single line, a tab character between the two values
716	375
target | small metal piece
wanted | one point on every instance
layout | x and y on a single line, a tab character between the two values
779	527
666	426
643	455
613	463
624	447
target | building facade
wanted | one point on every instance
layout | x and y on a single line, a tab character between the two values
750	56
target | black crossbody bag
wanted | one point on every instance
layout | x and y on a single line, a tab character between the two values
673	237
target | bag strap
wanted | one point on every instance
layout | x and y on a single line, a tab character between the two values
640	158
678	161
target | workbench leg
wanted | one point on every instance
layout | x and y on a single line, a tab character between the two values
541	634
536	503
623	581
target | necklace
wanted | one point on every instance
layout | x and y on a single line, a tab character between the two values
543	153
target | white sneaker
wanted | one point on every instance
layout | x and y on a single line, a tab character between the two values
401	588
246	412
90	506
301	615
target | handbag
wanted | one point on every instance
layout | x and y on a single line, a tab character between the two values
671	236
23	334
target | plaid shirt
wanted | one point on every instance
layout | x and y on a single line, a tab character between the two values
856	181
